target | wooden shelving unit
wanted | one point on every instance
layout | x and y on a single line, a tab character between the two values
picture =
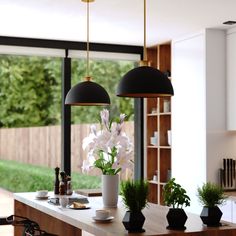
157	120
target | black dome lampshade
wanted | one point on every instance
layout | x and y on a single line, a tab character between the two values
87	93
144	81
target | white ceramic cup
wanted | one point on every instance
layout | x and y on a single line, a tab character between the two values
102	214
153	141
64	201
41	193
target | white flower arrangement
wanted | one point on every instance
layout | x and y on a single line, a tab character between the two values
109	149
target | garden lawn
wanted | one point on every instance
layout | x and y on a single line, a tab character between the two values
18	177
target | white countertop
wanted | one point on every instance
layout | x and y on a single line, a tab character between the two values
155	223
79	218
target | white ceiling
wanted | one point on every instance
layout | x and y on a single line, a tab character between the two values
112	21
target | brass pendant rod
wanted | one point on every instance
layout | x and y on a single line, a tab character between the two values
87	39
144	40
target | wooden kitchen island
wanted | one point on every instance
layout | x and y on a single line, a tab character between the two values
69	222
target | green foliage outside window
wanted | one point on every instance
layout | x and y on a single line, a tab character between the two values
30	90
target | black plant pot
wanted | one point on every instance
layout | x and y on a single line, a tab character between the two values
133	221
176	218
211	216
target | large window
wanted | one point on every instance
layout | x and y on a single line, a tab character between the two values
30	117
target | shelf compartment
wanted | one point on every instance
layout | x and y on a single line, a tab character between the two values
152	126
165	165
165	105
152	167
165	125
152	196
152	106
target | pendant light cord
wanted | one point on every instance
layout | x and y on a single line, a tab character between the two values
87	39
144	40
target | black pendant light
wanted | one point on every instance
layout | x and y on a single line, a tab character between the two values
87	93
144	81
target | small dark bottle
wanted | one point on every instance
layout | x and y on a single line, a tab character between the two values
57	182
62	185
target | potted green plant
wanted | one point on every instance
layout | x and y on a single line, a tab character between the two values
175	197
211	196
134	195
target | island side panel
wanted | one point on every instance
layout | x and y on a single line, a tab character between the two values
46	222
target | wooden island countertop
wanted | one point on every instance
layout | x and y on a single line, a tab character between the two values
71	222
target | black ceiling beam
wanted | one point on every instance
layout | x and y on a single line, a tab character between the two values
71	45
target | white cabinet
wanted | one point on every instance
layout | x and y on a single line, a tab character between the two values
233	211
227	210
231	78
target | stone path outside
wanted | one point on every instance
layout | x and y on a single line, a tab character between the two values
6	209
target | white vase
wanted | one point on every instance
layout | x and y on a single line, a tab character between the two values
110	190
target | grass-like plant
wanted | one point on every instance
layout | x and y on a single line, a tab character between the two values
211	195
174	195
134	194
19	177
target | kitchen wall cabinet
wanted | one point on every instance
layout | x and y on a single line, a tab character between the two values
157	126
231	78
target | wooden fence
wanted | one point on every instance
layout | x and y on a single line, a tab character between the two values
42	145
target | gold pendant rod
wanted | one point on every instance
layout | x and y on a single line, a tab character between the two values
87	38
144	41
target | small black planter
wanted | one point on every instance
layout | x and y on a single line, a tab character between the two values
176	218
133	221
211	216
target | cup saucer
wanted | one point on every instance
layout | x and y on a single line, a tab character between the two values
108	219
41	198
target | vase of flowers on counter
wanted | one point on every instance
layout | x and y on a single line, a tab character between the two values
110	150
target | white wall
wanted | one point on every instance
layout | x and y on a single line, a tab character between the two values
188	114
